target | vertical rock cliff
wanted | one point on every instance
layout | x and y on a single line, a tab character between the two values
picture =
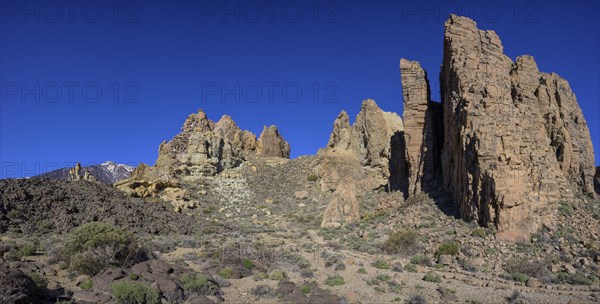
419	128
515	139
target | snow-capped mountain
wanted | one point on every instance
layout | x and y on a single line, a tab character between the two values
108	172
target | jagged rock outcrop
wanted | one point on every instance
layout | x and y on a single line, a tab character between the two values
202	149
563	120
508	132
343	207
370	140
271	143
419	130
207	148
358	158
75	174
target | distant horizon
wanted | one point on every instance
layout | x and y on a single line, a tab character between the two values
114	87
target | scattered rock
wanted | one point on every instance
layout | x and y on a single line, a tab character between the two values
16	287
534	283
301	195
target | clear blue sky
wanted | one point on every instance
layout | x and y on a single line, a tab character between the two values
156	62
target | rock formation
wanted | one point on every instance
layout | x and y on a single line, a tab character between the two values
512	134
270	143
75	174
419	131
563	120
360	158
370	140
202	149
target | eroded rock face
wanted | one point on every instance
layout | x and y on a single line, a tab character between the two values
508	152
419	131
202	149
271	143
370	140
565	125
360	158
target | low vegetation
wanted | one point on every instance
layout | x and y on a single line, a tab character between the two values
127	292
403	242
449	248
335	280
96	246
381	264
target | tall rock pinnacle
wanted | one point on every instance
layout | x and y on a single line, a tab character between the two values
419	128
509	155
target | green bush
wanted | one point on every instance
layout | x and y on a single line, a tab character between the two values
95	246
383	277
410	267
520	277
41	283
381	264
247	264
278	275
199	283
336	280
312	178
362	270
127	292
305	289
28	249
575	278
86	284
379	289
479	232
432	277
420	260
405	241
530	268
565	209
225	273
449	248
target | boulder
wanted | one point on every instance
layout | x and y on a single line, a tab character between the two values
16	286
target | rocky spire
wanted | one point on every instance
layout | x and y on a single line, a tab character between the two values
270	143
418	127
510	134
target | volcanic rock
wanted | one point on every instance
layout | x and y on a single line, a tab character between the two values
75	174
365	156
202	149
514	137
270	143
419	136
371	141
16	286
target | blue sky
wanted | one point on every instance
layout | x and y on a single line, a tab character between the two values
102	80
